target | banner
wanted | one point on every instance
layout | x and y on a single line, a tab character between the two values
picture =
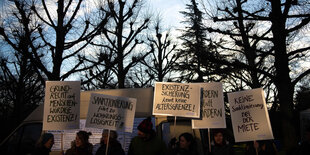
61	105
212	108
249	115
111	112
176	99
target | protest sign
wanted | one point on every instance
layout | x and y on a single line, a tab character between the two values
250	119
176	99
61	105
111	112
212	108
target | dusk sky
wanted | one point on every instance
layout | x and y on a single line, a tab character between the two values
169	10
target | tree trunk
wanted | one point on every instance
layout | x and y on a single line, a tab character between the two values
283	80
249	52
60	41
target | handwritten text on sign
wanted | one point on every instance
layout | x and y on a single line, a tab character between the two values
176	99
111	112
61	105
249	115
212	109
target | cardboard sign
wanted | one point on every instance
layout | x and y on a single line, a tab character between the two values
111	112
176	99
249	115
212	108
62	105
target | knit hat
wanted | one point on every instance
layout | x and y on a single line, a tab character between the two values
46	137
146	125
216	131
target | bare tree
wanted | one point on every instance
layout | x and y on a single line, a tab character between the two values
65	34
138	77
20	32
21	83
39	42
242	38
21	90
100	76
161	61
279	24
122	40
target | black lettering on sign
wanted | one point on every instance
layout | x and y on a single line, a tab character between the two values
212	113
103	108
61	104
61	118
177	91
184	88
207	103
61	88
248	123
167	100
58	95
105	122
113	103
63	110
244	99
108	116
248	127
246	106
172	106
210	93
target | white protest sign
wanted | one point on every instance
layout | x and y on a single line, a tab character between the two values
62	105
111	112
249	115
176	99
212	109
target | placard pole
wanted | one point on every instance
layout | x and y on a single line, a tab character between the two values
107	146
62	141
254	143
124	141
174	126
209	138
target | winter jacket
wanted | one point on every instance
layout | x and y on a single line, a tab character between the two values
153	146
115	148
41	151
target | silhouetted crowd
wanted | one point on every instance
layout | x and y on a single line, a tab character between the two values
147	143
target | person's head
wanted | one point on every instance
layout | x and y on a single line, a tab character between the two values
81	138
46	140
186	140
218	137
145	128
105	134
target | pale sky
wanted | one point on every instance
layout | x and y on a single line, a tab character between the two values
169	10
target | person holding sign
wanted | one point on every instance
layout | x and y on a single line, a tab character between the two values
186	145
81	145
44	144
262	147
114	147
220	146
146	143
